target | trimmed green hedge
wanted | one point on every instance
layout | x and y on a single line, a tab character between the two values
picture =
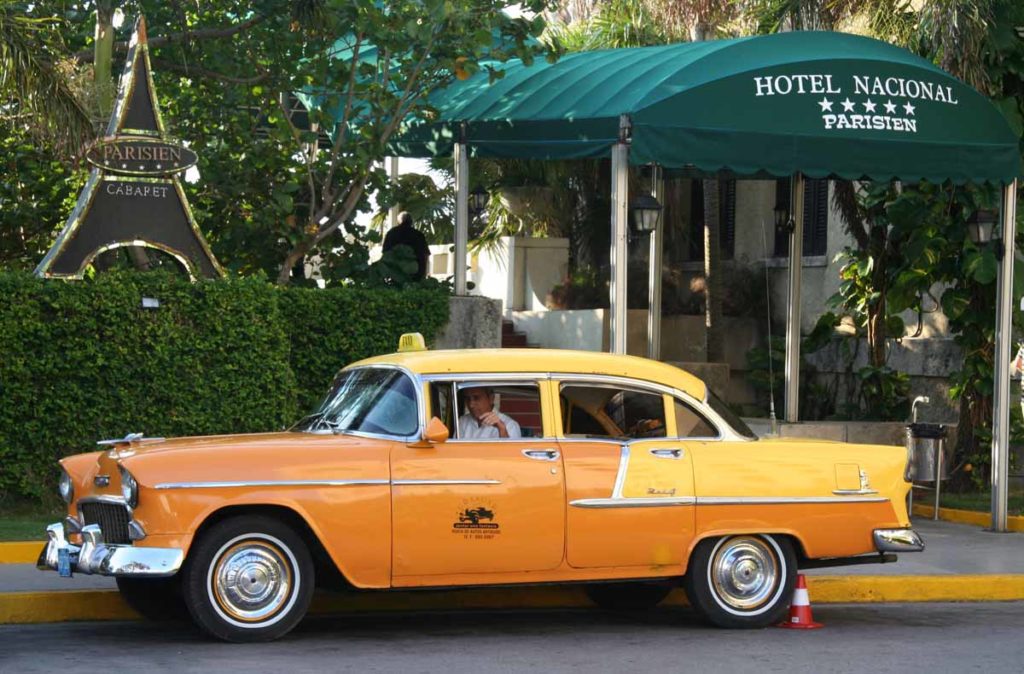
83	361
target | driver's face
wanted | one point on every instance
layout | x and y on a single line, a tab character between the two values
479	401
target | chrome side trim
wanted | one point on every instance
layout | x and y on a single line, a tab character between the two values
897	540
410	483
267	483
854	492
620	477
783	500
632	502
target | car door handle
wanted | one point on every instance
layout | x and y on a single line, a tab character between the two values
541	454
668	453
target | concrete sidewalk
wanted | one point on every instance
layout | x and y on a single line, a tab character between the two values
960	563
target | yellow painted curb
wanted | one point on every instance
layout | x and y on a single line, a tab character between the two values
868	589
70	605
1013	523
26	552
63	605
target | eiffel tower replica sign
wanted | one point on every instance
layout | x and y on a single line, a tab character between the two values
133	196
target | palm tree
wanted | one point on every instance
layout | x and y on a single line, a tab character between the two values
31	86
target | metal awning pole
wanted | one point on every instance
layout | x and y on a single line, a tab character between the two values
619	251
393	179
796	251
461	212
654	281
1001	398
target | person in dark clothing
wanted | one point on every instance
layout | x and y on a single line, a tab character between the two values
404	234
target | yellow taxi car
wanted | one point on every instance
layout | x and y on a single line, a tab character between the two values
481	467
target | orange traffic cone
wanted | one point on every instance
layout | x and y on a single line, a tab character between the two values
800	617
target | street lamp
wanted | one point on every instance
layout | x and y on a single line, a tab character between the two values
782	221
646	212
478	201
981	225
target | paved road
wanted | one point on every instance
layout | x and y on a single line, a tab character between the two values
933	638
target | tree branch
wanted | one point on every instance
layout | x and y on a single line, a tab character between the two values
205	72
184	37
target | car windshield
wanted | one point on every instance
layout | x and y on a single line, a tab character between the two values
368	400
730	417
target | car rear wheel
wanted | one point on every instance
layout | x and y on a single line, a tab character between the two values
156	599
627	596
742	581
248	578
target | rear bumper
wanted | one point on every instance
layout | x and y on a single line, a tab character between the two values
95	557
897	540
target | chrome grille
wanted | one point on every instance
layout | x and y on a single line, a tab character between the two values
112	518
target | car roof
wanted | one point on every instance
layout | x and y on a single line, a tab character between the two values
562	361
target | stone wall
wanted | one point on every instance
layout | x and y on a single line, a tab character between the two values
928	362
473	323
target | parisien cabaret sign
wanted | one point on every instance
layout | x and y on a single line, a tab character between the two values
140	156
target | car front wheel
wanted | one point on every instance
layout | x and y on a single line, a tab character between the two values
248	578
742	581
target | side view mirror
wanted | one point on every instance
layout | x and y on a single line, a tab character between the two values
435	433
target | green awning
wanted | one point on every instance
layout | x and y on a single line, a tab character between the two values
825	104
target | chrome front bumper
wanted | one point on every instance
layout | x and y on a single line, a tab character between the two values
95	557
897	540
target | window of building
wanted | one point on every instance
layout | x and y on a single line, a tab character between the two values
815	217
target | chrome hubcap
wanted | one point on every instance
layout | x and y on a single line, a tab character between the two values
252	580
744	572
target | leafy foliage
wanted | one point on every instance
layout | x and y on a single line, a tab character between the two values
83	361
30	76
36	194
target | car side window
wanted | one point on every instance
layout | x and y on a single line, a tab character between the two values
691	423
472	409
611	412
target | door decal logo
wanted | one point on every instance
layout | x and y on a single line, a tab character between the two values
476	520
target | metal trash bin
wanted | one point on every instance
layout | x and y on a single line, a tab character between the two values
930	462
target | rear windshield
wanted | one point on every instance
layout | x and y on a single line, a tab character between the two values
730	417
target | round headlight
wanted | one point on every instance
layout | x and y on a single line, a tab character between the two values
65	487
129	488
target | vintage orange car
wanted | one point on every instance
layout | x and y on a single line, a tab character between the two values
480	467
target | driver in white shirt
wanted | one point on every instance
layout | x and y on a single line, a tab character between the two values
482	421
